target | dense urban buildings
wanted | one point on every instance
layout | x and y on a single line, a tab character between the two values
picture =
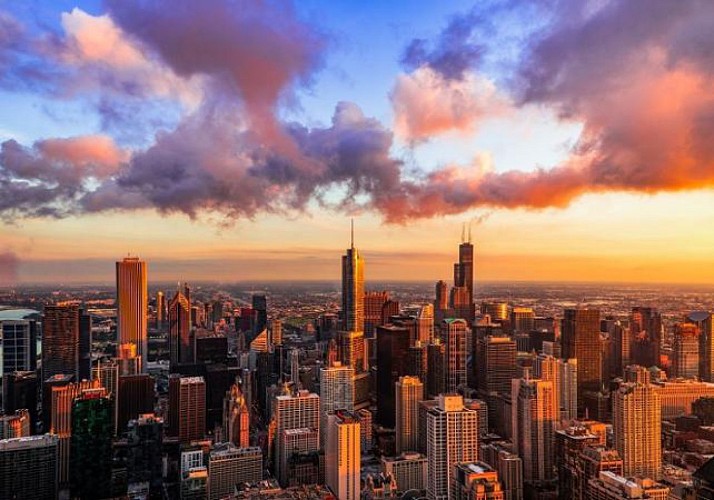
234	397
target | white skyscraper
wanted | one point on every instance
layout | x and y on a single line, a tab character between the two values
343	455
337	392
452	437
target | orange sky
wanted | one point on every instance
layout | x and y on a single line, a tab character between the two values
610	237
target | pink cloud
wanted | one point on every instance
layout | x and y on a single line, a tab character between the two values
427	104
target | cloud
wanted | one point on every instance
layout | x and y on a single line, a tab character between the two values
637	75
455	51
426	104
48	178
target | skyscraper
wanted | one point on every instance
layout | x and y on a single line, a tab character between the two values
495	364
342	455
337	392
144	460
132	305
581	340
107	372
28	468
135	397
187	408
533	422
436	372
181	342
229	466
236	418
160	309
425	324
686	350
464	272
456	332
392	348
20	391
19	345
703	320
637	425
452	438
60	340
91	445
646	331
352	289
441	303
409	391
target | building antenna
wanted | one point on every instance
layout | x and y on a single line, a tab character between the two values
352	233
469	231
463	233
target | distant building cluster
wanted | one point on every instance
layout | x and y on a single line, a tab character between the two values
193	395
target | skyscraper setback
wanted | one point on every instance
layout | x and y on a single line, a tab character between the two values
132	305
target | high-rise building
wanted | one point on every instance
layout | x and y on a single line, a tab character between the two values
452	437
28	468
181	340
638	427
464	274
581	340
686	350
85	344
259	303
703	321
610	486
392	347
373	305
522	319
60	340
144	452
456	333
646	332
352	289
343	455
107	372
569	444
495	364
62	396
509	467
236	418
337	392
533	420
229	466
276	332
91	445
563	373
409	391
476	480
19	345
409	470
15	425
160	309
133	305
135	397
425	324
441	303
187	408
294	411
497	311
20	391
436	374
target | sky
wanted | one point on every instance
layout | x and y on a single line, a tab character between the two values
234	139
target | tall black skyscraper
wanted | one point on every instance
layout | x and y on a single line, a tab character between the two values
260	306
463	293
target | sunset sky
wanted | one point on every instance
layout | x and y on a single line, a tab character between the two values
233	140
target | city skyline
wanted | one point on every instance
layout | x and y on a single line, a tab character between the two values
242	166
